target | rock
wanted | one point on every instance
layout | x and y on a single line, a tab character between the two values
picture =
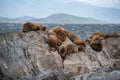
74	62
99	75
112	50
92	61
60	75
27	56
112	46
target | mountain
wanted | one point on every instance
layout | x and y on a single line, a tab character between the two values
25	18
111	15
54	18
8	20
4	18
73	7
66	18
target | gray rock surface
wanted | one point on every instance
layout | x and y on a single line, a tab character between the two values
27	56
98	75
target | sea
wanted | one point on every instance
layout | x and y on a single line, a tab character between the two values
81	30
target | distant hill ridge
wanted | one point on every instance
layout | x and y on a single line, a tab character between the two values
54	18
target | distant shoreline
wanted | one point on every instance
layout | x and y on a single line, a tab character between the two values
56	23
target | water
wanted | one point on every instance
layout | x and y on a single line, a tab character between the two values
82	30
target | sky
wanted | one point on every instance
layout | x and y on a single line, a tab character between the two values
103	3
43	8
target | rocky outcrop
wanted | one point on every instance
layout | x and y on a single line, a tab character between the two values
28	56
98	75
108	59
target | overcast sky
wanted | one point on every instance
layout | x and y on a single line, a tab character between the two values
43	8
102	3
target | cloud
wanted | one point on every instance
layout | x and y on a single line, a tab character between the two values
102	3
